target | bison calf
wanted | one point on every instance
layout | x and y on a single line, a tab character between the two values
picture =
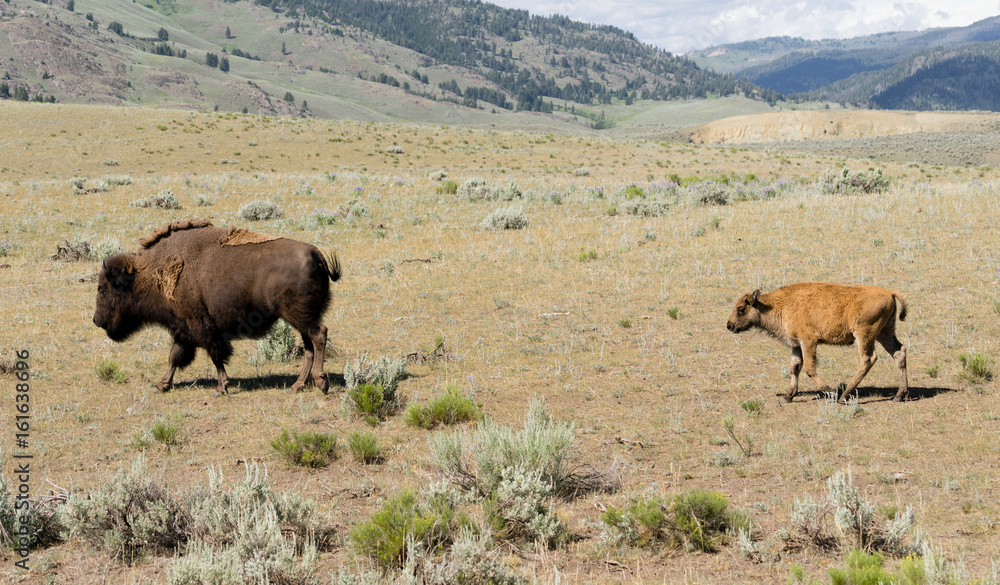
809	313
209	285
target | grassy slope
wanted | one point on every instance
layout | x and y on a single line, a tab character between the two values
498	299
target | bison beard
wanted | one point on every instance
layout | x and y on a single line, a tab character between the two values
190	278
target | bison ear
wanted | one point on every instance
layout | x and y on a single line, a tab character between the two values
120	271
755	296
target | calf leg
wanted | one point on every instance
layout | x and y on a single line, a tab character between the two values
181	354
866	347
809	363
898	352
793	371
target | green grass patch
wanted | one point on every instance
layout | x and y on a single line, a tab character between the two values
364	447
308	449
166	432
108	371
451	408
976	368
699	519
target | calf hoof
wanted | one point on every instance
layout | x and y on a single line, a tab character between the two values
898	398
161	388
786	397
296	387
324	384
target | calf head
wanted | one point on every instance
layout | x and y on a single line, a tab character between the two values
115	295
746	314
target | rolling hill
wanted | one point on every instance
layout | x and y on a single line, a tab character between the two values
444	61
939	69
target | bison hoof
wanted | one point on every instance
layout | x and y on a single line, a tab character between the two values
296	387
163	388
786	397
324	385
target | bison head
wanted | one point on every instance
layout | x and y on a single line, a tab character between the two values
114	295
745	315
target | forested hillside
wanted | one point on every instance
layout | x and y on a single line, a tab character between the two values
524	56
432	60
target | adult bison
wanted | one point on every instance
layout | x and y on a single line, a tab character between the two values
209	285
808	313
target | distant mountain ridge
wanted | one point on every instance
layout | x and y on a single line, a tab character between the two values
938	69
367	59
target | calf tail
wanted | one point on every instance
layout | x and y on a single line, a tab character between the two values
902	305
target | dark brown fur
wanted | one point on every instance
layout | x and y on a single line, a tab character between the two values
207	294
806	314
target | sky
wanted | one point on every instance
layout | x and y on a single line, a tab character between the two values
680	27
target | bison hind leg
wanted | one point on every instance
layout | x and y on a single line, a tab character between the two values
898	352
220	350
314	343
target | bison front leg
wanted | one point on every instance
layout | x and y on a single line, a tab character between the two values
809	364
793	372
181	354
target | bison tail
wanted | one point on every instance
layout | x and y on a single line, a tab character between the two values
902	306
332	266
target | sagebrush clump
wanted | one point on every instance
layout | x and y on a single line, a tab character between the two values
130	514
478	189
162	200
506	218
279	345
372	387
845	181
260	210
476	461
37	525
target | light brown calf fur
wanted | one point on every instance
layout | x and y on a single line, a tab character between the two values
805	314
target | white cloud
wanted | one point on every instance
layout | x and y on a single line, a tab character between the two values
683	26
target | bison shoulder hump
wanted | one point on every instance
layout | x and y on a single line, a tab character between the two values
188	224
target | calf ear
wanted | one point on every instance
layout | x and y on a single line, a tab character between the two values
120	271
755	296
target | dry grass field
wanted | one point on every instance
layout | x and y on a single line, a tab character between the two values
617	320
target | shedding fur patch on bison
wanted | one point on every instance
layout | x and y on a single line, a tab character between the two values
240	236
806	314
187	224
207	294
